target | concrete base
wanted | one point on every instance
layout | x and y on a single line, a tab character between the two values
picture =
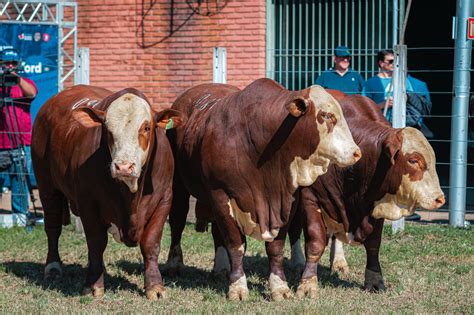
10	220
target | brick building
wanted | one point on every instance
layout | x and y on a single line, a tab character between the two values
129	48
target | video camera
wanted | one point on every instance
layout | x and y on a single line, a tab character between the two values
9	64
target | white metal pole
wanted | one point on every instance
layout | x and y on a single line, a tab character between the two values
220	65
82	72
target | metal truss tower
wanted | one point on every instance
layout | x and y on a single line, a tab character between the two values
49	12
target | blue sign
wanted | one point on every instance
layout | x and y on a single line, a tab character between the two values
38	48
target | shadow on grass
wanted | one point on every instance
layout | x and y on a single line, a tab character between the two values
190	277
70	284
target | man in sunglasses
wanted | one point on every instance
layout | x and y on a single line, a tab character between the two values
341	77
378	88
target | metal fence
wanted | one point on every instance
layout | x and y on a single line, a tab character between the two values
305	34
302	35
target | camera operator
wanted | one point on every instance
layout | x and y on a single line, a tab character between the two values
15	131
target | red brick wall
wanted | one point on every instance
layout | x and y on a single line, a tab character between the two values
111	29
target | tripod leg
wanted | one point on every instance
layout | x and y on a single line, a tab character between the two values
19	198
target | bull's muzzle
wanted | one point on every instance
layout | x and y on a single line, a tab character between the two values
124	169
350	158
438	202
357	155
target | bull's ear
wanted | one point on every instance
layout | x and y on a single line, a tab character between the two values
393	144
297	106
169	118
89	117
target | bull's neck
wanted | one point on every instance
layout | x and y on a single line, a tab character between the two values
127	217
275	132
360	185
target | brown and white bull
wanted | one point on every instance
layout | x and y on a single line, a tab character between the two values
243	155
106	156
395	175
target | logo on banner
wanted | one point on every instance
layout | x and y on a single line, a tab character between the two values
25	37
33	68
46	37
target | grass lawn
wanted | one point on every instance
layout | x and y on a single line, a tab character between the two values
427	269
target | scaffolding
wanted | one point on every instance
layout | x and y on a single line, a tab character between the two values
49	12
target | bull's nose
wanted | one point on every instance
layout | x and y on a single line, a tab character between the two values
124	169
357	155
439	201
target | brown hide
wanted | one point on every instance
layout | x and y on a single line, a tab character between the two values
347	195
225	135
72	160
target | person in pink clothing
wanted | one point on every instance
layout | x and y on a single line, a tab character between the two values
15	132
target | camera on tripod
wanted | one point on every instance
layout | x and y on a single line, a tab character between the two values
9	66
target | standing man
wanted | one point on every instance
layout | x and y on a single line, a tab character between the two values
341	77
15	131
379	87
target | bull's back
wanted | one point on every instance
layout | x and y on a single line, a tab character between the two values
187	140
196	98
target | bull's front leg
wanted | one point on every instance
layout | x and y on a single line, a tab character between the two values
96	236
315	243
279	289
234	242
373	272
150	248
337	258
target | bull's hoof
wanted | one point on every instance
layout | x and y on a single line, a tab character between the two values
373	281
95	292
53	271
238	290
238	294
155	292
308	287
279	288
340	265
281	294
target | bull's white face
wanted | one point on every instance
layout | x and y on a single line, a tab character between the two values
419	186
336	143
129	123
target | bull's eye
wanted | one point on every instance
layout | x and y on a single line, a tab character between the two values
327	116
413	161
147	129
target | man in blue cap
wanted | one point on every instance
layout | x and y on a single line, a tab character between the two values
15	132
341	77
